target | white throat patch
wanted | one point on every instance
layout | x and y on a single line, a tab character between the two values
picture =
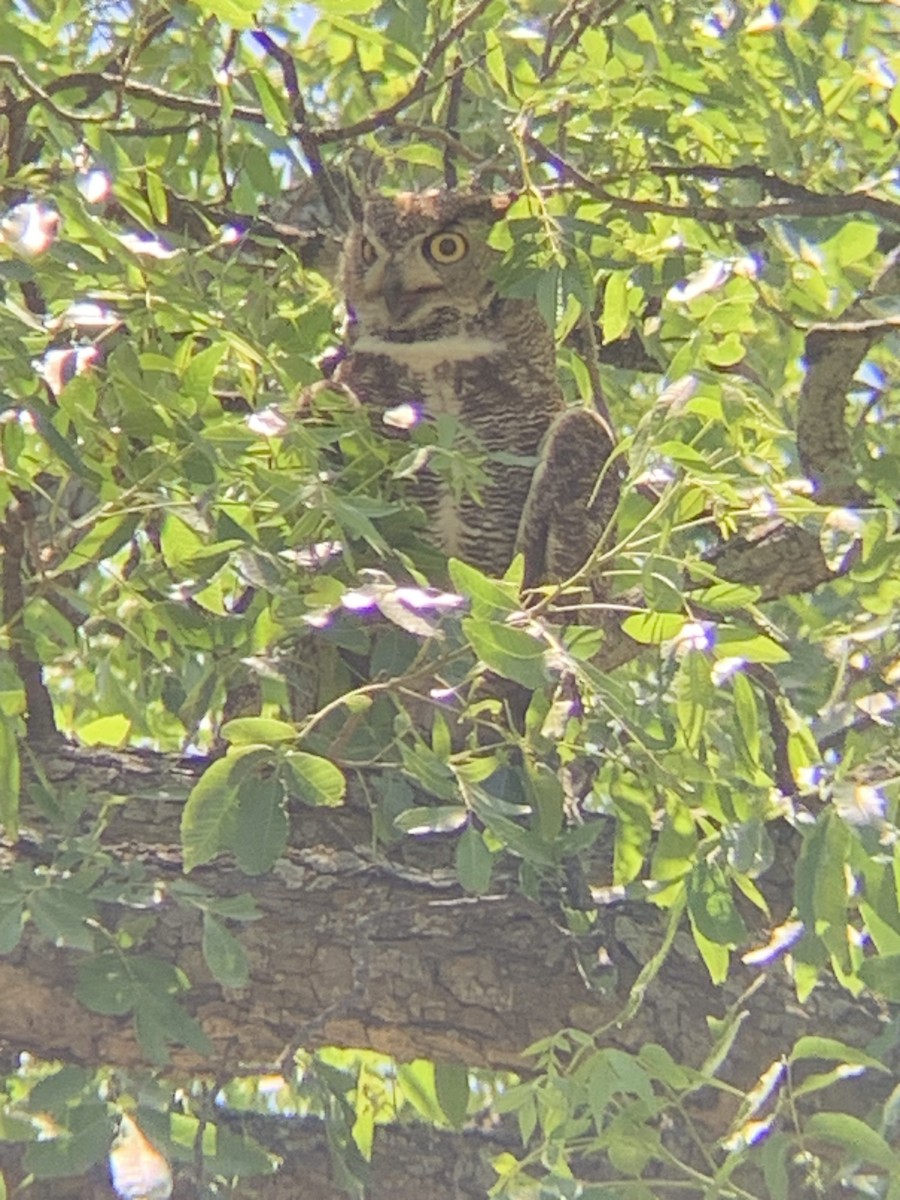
428	354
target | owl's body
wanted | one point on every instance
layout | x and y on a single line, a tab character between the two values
427	328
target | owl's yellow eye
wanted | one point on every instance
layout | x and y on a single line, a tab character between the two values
367	252
446	247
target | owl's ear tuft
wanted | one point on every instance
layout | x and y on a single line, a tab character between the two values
485	206
501	202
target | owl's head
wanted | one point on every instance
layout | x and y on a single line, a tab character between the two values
413	256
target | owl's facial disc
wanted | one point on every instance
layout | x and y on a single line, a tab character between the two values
416	279
406	300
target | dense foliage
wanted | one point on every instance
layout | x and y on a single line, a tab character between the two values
706	203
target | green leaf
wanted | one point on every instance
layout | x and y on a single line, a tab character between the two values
711	906
243	731
549	801
524	842
451	1085
653	628
70	1153
240	14
54	1091
62	915
694	696
757	648
830	1048
726	351
615	306
858	1139
656	1060
224	954
199	375
418	1084
105	731
494	61
716	957
12	922
315	780
630	1075
160	1021
10	779
854	241
441	818
60	446
511	653
882	975
272	104
676	844
473	861
723	597
490	598
747	721
235	1154
775	1151
102	540
821	883
261	826
210	808
106	984
156	197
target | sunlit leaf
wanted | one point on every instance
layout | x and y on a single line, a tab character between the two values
243	731
314	779
653	628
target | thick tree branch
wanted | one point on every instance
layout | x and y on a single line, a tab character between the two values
774	185
780	558
833	357
385	953
364	950
39	718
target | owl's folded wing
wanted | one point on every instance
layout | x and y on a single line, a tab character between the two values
572	499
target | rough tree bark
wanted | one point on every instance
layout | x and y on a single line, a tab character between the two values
358	949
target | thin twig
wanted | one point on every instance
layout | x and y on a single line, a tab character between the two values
95	81
720	214
555	26
385	116
301	129
587	18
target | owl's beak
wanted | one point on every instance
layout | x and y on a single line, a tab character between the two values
404	297
398	301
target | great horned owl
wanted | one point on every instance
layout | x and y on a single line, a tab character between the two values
427	327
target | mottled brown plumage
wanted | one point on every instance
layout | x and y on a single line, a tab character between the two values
427	327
